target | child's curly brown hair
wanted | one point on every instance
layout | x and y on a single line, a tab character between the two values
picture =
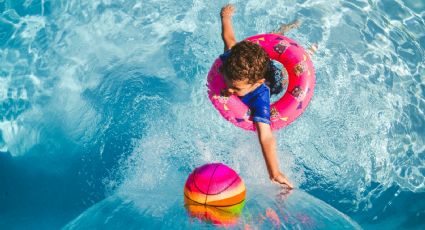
246	61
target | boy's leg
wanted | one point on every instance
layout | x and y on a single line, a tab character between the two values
283	28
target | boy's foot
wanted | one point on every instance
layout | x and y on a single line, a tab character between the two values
287	27
282	180
313	48
227	10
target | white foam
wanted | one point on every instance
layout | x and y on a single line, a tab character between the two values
33	24
20	136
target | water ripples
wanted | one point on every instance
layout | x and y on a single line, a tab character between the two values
118	77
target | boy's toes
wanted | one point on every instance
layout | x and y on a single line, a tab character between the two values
296	23
313	48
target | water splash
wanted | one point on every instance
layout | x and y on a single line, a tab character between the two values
126	80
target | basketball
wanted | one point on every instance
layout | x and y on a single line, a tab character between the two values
215	185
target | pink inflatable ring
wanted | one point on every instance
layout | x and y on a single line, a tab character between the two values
300	89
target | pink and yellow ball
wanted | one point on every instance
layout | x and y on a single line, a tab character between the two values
215	192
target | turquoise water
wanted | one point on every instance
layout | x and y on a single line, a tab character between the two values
104	107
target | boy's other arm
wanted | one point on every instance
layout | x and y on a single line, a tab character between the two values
268	147
227	33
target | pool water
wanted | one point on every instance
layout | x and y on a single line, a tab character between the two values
104	111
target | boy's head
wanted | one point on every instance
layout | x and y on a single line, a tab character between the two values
245	68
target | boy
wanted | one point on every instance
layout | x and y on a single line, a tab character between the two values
245	67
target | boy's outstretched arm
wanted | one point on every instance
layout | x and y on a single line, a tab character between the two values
227	33
268	146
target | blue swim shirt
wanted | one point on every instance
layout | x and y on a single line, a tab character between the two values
258	102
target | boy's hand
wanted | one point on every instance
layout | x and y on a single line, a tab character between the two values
227	11
282	180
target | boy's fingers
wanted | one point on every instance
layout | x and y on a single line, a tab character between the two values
228	7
